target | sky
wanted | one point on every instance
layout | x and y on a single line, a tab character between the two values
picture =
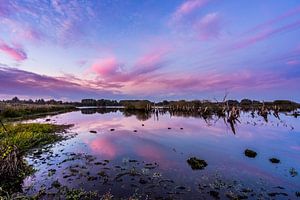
150	49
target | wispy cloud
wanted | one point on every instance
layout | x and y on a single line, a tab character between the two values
15	52
209	26
263	35
293	62
187	8
58	21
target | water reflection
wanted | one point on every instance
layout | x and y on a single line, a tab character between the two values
231	118
154	158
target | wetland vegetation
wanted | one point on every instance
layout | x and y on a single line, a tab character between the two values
139	149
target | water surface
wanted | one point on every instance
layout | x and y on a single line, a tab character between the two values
146	154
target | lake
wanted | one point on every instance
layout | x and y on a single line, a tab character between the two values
137	154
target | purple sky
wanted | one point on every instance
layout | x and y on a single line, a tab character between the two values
171	49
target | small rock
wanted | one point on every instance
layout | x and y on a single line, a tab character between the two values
56	184
112	129
47	120
274	160
135	131
196	163
180	188
143	124
250	153
169	128
214	194
92	178
143	181
273	194
293	172
181	128
93	131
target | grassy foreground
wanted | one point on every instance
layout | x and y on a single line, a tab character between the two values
16	142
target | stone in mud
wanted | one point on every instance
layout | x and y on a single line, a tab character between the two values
56	184
250	153
92	178
196	163
273	194
102	174
214	194
93	131
143	124
274	160
135	131
112	129
180	188
143	181
293	172
169	128
51	172
181	128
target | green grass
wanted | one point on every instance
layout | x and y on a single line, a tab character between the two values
28	136
18	140
10	111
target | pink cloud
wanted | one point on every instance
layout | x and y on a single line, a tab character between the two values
293	62
109	69
261	36
14	52
209	26
277	19
104	146
20	82
151	61
188	7
106	67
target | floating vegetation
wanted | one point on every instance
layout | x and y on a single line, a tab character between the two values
196	164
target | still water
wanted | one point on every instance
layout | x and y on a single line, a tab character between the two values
146	154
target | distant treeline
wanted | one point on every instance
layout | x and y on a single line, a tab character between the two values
147	105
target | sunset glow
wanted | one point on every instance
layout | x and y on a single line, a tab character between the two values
128	49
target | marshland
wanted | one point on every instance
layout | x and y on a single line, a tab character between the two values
138	149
